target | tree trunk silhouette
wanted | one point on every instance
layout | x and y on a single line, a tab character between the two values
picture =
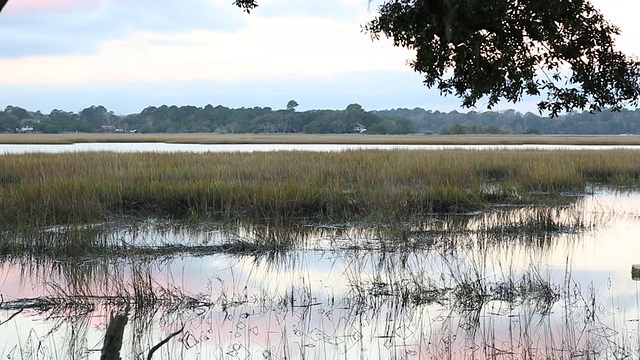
113	337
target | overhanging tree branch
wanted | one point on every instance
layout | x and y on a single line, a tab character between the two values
492	49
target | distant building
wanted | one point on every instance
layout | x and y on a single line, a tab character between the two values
359	128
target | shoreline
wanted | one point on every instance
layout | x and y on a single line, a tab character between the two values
414	139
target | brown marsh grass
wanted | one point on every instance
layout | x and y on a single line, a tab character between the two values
413	139
78	188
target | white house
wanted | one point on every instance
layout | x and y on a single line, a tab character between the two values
359	128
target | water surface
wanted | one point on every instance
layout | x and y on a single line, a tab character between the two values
454	287
166	147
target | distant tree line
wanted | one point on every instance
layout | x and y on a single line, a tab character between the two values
512	122
221	119
208	119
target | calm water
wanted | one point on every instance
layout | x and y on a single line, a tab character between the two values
454	288
164	147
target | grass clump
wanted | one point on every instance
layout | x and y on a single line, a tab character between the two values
39	190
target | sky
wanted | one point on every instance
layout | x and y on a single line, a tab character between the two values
130	54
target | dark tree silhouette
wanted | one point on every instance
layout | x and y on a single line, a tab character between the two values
563	50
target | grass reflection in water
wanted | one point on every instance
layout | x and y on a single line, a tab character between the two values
477	285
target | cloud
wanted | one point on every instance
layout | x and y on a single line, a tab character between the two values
60	27
72	27
17	6
617	11
373	90
266	48
337	10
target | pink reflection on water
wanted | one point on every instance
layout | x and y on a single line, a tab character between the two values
303	306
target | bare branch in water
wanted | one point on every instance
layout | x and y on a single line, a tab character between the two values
157	346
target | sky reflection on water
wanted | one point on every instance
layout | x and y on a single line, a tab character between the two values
319	302
198	148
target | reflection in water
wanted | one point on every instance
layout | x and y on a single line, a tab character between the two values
200	148
513	283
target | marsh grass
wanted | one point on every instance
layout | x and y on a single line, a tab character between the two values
56	204
41	190
534	226
155	239
56	242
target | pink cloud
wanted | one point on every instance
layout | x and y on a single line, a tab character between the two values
50	5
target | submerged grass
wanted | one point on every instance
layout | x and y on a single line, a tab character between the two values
41	190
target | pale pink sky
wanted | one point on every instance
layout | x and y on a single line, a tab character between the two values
50	5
